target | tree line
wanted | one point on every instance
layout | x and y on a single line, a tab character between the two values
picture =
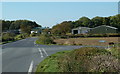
66	26
24	25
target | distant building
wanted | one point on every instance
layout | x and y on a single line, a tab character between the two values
103	29
36	30
13	31
80	30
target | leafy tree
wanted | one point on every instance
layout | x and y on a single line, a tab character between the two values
85	22
16	24
97	21
115	21
106	21
62	28
5	25
25	28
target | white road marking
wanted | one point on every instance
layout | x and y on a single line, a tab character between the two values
30	68
40	52
44	51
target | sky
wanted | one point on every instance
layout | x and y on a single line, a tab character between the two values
51	13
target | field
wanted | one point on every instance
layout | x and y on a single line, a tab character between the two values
94	41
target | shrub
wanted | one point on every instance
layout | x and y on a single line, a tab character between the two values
8	36
44	39
21	36
32	34
88	60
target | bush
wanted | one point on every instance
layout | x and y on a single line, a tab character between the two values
88	60
32	34
44	39
21	36
8	36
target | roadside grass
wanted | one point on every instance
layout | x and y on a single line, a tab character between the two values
86	59
50	64
7	42
115	51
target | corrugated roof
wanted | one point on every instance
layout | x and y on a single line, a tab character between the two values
106	26
81	28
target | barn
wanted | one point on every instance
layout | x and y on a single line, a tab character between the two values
103	29
80	30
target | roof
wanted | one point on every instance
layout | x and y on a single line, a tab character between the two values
81	28
37	28
106	26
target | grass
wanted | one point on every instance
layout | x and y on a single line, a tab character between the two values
86	59
50	64
6	42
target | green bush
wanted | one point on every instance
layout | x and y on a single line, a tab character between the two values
8	36
88	60
44	39
32	34
21	36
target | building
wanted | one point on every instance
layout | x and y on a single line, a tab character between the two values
80	30
13	31
103	29
36	30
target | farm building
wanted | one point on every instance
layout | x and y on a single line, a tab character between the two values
103	29
97	30
36	30
80	30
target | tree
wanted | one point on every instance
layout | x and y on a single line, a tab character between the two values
97	21
5	25
25	29
85	21
62	28
16	24
106	21
115	21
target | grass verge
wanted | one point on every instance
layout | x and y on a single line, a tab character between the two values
87	59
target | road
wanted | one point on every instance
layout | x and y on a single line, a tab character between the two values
24	55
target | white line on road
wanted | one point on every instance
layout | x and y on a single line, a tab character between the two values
40	52
44	51
30	68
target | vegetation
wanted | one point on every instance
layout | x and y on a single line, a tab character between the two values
88	41
44	39
87	59
24	25
66	26
11	37
21	36
9	29
8	36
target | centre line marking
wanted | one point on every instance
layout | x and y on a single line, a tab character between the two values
44	51
30	68
40	52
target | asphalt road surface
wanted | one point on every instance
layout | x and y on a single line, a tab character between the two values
24	55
